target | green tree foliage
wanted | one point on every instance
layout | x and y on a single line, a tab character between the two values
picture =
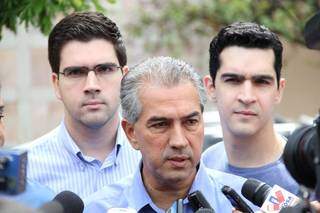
175	21
40	13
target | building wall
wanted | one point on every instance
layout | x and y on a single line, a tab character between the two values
32	109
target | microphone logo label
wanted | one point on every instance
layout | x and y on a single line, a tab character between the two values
277	199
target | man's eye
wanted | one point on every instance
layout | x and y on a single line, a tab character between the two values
232	80
105	68
77	72
159	125
192	122
1	117
262	82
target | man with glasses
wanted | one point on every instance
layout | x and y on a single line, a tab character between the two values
88	149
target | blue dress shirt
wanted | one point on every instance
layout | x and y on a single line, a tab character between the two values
57	162
131	193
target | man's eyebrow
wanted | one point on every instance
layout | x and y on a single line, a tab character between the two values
232	75
242	77
161	118
193	114
265	77
156	118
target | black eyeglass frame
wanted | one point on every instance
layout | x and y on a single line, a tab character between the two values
86	70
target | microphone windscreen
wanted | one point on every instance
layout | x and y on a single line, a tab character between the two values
70	202
255	191
51	207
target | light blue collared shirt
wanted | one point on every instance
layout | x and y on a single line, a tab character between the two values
57	162
131	193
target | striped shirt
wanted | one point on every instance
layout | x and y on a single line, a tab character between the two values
57	162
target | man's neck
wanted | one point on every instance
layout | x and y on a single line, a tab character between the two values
97	143
255	150
163	194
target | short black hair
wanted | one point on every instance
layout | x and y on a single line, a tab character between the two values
84	26
245	34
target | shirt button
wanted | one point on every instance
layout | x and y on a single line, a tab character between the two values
82	167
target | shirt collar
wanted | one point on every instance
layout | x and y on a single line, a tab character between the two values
139	198
201	182
70	145
137	194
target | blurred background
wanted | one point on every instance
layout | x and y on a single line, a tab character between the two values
178	28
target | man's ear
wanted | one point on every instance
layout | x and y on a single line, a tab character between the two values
282	85
125	70
210	89
55	82
130	133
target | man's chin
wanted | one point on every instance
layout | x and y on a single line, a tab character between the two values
94	123
177	177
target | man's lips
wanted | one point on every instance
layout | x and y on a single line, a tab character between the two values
93	104
246	113
178	161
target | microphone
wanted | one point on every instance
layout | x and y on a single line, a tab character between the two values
270	199
236	201
199	202
64	202
177	206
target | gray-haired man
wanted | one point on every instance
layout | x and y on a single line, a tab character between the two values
162	101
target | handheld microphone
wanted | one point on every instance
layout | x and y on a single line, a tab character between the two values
177	206
270	199
64	202
237	202
198	201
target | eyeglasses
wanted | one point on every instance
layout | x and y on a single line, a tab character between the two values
100	70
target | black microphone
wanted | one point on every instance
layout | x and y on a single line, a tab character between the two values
177	206
235	199
270	199
198	202
255	191
69	201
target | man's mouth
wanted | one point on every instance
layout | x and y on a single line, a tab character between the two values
93	104
179	161
246	113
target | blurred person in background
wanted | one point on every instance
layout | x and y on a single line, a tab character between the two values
245	84
89	148
35	194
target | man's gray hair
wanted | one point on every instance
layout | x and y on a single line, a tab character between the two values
162	71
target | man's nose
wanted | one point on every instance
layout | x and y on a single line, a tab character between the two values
178	137
247	93
92	83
